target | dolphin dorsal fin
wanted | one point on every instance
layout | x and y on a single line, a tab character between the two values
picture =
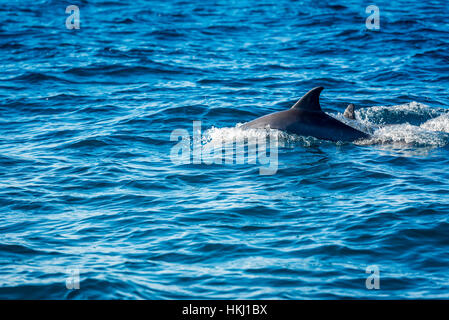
349	112
310	101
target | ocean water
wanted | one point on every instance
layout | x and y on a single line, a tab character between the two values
92	197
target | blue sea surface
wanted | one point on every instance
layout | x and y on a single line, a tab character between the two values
88	183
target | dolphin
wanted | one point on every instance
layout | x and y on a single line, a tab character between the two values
305	118
349	112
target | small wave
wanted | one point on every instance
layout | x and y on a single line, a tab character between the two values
167	33
91	142
17	249
124	21
34	77
124	70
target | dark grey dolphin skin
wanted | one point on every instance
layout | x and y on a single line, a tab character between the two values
305	118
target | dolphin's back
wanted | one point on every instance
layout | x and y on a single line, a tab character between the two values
306	118
278	120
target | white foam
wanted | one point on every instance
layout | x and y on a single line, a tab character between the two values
381	123
407	134
229	135
440	123
396	114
